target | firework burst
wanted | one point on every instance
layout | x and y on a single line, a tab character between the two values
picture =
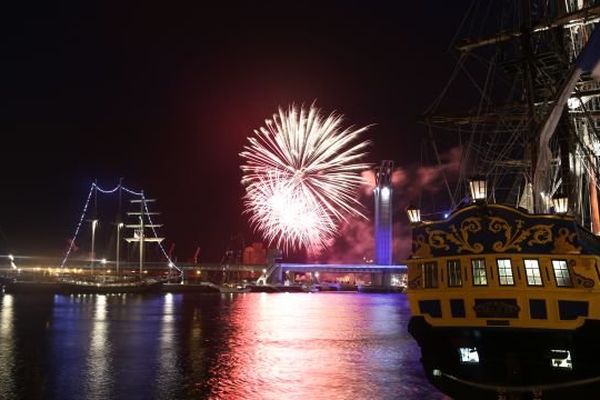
302	175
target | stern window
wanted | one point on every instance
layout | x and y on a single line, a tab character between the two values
457	308
532	270
561	273
430	276
537	309
561	359
571	310
454	275
505	273
468	355
479	272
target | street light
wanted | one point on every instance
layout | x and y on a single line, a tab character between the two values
478	188
414	214
119	226
12	261
94	225
560	202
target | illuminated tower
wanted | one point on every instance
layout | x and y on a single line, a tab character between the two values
383	213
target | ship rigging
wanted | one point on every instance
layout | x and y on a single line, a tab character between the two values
505	289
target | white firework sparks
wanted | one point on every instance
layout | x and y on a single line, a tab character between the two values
302	175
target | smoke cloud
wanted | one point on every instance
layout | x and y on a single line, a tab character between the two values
355	243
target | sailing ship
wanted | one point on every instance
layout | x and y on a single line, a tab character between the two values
101	275
505	288
119	283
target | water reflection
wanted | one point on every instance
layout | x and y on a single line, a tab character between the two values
7	362
322	346
98	362
182	346
168	378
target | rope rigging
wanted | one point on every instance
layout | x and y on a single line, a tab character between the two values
94	190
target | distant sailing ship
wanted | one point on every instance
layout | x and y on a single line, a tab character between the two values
505	288
98	279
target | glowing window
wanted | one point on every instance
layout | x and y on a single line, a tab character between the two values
430	276
532	271
561	359
454	275
561	273
505	273
479	272
468	355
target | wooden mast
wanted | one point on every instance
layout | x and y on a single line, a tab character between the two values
529	90
594	210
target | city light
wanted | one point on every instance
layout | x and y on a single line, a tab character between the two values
385	193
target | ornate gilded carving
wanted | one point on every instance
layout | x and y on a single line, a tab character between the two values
438	239
564	243
582	281
538	234
496	308
415	282
422	249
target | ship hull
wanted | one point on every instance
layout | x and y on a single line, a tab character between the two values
32	287
68	287
138	287
516	362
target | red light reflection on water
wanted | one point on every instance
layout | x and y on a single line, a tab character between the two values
300	346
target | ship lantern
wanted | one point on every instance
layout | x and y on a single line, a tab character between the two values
478	188
560	202
414	214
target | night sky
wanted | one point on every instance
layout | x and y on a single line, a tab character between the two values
165	96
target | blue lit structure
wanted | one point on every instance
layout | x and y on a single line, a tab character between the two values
383	213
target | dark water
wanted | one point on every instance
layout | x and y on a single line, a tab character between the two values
182	346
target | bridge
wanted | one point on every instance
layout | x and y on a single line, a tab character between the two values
381	275
144	230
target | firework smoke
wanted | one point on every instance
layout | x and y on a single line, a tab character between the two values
302	177
356	240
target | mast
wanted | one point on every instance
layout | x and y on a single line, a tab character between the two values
536	119
527	61
119	225
139	233
94	226
595	213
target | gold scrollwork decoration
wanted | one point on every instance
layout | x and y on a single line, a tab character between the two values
422	249
415	283
438	239
565	243
515	235
582	281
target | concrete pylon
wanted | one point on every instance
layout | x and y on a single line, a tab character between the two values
383	213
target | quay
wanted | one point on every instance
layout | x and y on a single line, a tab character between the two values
216	274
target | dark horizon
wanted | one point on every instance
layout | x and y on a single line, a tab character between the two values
165	97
